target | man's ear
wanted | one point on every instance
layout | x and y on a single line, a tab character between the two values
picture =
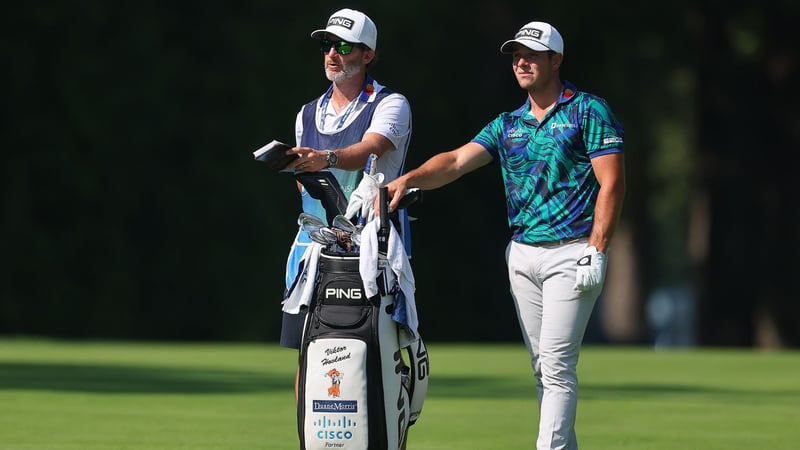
557	59
368	56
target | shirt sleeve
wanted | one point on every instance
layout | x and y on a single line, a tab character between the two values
602	132
392	119
488	137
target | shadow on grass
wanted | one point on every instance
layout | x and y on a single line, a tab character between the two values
479	387
164	380
135	379
500	388
649	390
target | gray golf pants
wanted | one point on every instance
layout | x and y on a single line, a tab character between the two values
553	317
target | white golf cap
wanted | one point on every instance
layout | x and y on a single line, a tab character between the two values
538	36
352	26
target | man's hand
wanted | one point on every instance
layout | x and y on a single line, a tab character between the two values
309	160
395	187
591	269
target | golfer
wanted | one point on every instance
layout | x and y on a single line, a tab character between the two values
561	157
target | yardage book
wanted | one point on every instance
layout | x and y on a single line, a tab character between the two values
274	154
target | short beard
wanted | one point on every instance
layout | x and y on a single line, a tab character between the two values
349	70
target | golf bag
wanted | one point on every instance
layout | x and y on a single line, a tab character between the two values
356	391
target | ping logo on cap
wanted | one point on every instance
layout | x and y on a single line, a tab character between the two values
340	21
530	32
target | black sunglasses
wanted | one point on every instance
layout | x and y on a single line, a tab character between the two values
342	47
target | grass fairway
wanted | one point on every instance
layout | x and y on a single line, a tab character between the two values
149	396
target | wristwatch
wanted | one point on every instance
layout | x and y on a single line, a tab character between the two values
331	157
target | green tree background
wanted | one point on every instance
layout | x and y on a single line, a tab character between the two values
132	207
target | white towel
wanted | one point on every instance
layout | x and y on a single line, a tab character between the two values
303	288
398	262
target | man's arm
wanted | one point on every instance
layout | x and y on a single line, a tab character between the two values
439	170
355	156
391	123
610	172
352	157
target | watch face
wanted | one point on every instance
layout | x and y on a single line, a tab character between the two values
332	159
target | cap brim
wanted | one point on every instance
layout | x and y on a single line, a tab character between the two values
508	46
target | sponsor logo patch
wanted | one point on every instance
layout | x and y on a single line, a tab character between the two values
534	33
515	133
334	429
341	22
335	406
343	293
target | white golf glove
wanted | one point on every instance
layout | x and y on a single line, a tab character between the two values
363	198
591	269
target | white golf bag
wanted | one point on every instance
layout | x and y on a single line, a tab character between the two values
355	390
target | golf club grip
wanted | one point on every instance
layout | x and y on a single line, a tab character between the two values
383	230
369	169
412	195
384	211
